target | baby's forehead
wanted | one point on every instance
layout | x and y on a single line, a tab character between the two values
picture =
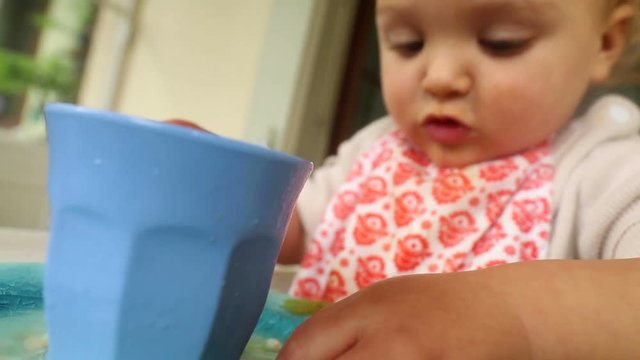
497	4
482	7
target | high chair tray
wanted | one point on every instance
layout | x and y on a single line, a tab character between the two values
23	333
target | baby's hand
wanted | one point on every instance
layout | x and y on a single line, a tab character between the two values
451	316
186	123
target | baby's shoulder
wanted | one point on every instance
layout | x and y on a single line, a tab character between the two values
614	111
601	150
611	133
610	125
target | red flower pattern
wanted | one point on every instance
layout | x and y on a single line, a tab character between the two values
528	212
370	270
337	245
408	206
412	250
488	240
399	213
370	228
345	204
403	173
498	170
455	227
416	156
373	189
494	263
455	263
534	155
528	251
540	176
335	287
313	256
450	186
308	288
356	171
382	158
497	203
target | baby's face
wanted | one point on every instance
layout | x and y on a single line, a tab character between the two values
472	80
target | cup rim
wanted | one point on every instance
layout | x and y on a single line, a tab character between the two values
171	130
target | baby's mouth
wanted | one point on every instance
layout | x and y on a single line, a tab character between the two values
445	129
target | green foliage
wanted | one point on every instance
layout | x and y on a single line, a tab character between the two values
20	71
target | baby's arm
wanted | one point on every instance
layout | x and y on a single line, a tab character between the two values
321	187
535	310
576	309
293	245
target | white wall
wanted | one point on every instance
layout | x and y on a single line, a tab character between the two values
277	83
194	59
265	71
259	70
23	172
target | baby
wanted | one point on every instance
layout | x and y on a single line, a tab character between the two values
480	164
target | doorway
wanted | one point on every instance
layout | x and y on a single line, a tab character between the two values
360	101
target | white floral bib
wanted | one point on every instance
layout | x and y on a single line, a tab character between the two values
397	214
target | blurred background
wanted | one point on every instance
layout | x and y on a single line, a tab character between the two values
297	75
300	76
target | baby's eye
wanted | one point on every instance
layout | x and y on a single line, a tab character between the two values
408	48
504	47
404	40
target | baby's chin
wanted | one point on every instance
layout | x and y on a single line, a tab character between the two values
445	161
460	156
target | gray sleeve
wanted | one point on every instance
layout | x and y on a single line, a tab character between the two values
611	201
600	206
326	179
598	184
624	237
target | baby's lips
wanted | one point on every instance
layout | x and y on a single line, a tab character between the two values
187	124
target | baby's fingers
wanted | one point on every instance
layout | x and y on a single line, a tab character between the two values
324	336
384	346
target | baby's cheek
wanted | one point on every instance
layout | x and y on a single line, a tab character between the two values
516	97
525	113
399	89
394	92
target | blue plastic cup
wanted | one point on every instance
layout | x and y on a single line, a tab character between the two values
163	239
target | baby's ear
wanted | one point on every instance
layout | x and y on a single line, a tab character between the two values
614	40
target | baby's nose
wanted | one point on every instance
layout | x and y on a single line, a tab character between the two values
445	75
